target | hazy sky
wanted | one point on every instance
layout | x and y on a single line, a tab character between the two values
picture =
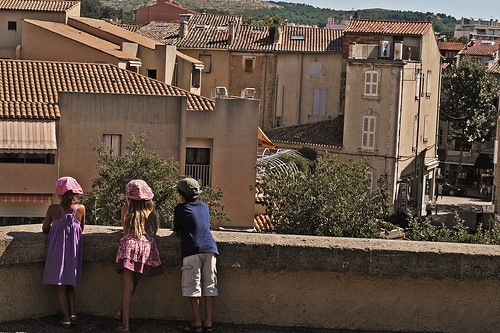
485	9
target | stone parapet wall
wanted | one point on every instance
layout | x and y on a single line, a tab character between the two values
283	280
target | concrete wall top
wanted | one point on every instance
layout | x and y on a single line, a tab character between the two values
26	244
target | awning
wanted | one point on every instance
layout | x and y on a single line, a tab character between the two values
40	198
27	136
264	140
455	159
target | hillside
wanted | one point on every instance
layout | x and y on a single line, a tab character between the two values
291	12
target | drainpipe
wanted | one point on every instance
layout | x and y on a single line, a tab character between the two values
300	87
18	52
398	146
264	98
416	180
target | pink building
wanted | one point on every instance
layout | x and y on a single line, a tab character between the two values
163	10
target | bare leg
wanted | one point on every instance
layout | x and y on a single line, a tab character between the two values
127	290
195	305
70	293
209	308
62	298
137	277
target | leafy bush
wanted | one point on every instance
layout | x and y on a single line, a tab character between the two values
332	200
424	230
103	204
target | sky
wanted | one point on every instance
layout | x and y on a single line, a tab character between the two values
485	9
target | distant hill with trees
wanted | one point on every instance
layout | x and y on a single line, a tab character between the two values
256	11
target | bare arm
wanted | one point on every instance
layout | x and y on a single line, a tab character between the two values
48	219
81	212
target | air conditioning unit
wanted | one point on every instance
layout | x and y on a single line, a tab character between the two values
248	93
398	51
385	49
219	92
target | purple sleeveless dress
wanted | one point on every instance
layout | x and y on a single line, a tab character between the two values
63	261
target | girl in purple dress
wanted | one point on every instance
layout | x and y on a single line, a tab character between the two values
64	223
138	253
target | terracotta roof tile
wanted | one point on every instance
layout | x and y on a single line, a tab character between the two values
311	40
262	223
38	5
495	69
482	47
387	27
327	133
450	46
29	89
210	31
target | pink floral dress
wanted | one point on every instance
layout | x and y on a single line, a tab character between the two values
138	255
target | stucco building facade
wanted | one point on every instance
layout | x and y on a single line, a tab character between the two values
79	102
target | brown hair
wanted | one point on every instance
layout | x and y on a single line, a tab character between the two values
141	218
68	199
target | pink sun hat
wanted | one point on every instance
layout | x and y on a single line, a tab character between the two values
138	189
66	184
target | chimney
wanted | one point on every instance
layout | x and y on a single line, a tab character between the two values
183	31
232	31
276	33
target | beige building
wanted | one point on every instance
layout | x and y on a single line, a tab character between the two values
392	80
13	12
90	40
49	111
295	72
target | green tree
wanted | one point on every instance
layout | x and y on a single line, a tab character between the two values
103	203
332	200
467	93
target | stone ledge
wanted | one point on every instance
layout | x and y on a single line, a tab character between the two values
26	244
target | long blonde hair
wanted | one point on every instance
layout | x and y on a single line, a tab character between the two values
141	218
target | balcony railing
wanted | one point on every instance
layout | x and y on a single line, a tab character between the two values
202	173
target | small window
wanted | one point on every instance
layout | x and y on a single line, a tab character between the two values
429	77
12	25
319	106
151	73
300	37
207	62
371	83
113	142
417	87
415	133
249	64
369	175
368	141
314	69
426	128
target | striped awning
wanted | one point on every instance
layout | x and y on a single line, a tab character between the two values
40	198
28	136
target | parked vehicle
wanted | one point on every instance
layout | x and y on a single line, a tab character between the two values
448	189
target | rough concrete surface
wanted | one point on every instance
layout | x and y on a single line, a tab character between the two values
89	323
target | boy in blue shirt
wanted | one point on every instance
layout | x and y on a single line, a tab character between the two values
199	250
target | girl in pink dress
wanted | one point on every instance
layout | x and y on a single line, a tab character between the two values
138	253
63	264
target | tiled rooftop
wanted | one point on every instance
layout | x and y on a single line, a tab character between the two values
326	133
386	27
29	89
206	31
38	5
495	69
450	46
84	38
481	47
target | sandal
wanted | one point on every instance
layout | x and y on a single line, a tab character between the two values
208	328
191	327
118	315
74	319
121	328
65	324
